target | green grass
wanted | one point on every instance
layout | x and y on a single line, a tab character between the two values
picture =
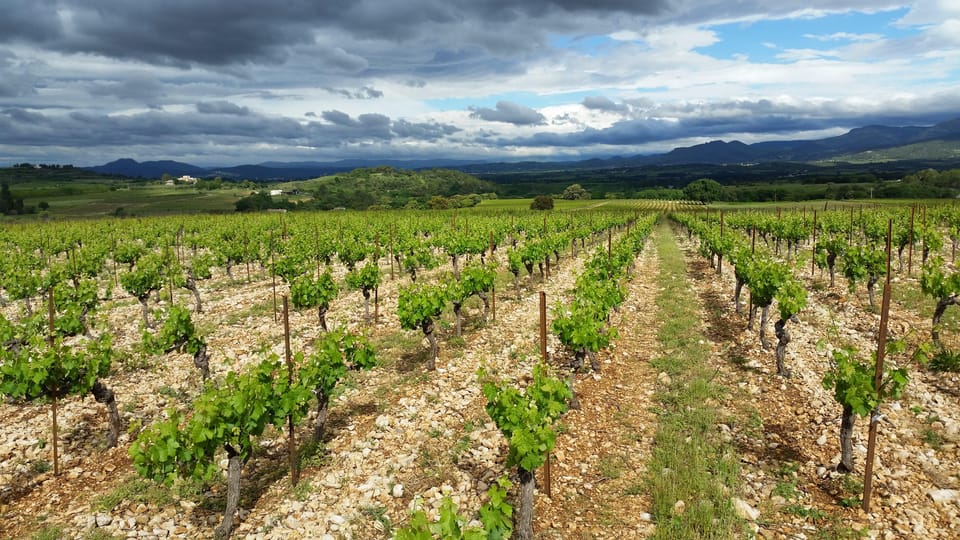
49	532
690	462
136	200
133	489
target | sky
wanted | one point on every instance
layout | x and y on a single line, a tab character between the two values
226	82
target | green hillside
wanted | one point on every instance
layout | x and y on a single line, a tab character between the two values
388	187
929	150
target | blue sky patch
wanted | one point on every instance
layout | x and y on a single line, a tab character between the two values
762	41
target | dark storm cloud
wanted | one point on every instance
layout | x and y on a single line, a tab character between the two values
367	92
508	112
231	32
602	103
339	118
158	129
423	131
739	118
138	88
222	107
29	20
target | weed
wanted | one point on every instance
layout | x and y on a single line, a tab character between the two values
461	446
133	489
379	514
172	393
806	512
945	360
50	532
302	490
933	438
611	467
785	489
39	466
99	534
635	489
853	487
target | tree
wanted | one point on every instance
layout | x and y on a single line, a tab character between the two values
705	190
575	192
8	204
542	202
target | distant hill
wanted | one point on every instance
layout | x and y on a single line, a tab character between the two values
148	169
853	143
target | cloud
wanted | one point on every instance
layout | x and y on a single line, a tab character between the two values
367	92
427	131
223	108
602	103
510	113
396	77
144	89
29	20
739	118
844	36
339	118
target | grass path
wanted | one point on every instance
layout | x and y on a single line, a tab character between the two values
693	472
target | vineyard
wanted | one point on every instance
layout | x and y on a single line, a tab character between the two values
600	371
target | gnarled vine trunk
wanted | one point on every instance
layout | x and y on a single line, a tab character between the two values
428	330
103	394
523	519
202	361
323	410
942	305
234	465
486	304
322	316
145	310
764	316
783	338
871	285
594	364
458	316
366	304
847	422
191	285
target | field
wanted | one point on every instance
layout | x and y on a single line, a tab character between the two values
684	426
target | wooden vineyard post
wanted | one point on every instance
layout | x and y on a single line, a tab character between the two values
545	357
877	381
393	227
273	275
850	230
720	257
923	237
913	212
813	249
493	302
50	339
376	290
609	244
288	357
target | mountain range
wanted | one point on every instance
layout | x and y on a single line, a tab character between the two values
861	140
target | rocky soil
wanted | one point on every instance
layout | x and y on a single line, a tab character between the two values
400	438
